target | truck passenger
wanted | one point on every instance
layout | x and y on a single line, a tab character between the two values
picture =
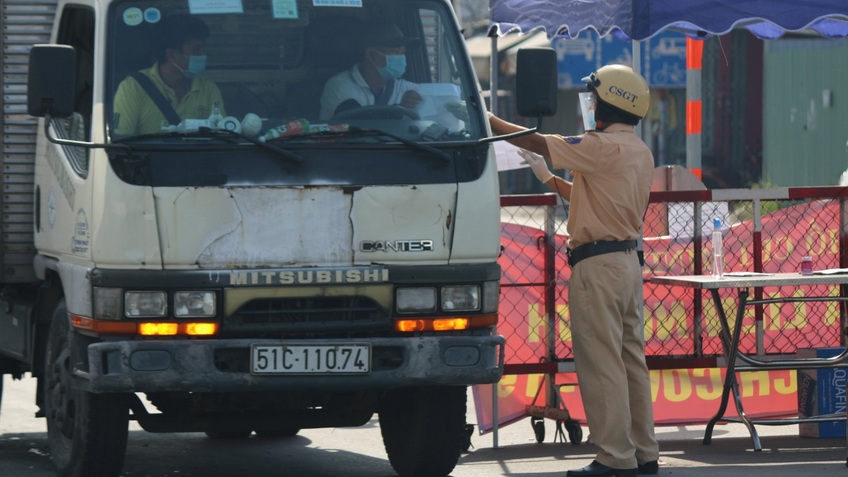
174	90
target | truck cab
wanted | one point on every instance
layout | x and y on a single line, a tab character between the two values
254	264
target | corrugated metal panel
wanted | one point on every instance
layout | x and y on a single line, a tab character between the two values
804	139
23	23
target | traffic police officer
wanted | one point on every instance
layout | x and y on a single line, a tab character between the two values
612	169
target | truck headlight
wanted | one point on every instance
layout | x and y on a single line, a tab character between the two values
189	304
416	300
145	304
461	298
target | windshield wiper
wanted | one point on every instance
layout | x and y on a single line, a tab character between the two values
357	131
293	157
446	159
225	134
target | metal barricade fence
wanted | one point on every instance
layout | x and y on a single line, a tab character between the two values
764	230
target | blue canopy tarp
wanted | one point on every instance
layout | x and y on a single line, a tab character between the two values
641	19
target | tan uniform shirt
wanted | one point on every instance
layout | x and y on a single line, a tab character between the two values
612	182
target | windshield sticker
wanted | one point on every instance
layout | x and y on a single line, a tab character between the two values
79	242
284	8
215	6
337	3
133	16
152	15
51	207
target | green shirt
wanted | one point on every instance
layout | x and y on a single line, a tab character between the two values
136	113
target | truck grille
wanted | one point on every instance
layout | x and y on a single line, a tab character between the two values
307	315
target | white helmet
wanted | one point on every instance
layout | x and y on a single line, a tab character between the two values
621	88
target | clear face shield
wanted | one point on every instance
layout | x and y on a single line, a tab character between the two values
587	109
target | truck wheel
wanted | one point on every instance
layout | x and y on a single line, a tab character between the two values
423	429
87	432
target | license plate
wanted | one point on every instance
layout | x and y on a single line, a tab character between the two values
310	359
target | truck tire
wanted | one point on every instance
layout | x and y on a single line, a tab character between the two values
87	432
423	429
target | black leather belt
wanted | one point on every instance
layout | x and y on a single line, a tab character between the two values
598	248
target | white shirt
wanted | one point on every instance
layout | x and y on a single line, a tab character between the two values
351	85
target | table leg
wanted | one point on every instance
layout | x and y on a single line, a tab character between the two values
730	342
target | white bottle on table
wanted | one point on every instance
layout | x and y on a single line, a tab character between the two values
718	253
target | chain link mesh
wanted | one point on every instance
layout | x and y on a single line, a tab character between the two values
760	234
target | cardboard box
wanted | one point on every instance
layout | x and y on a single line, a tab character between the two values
821	392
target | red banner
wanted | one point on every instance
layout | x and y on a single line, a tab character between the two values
681	396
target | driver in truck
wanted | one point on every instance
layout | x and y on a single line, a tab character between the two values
376	78
172	89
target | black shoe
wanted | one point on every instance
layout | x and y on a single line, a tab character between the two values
649	468
596	469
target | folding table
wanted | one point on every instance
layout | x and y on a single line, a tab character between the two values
730	335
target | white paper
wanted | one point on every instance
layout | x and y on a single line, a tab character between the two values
284	8
746	274
337	3
432	107
506	156
831	271
215	6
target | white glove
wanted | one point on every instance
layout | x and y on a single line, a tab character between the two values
537	164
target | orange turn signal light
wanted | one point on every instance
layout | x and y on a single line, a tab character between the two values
158	329
175	329
201	329
408	325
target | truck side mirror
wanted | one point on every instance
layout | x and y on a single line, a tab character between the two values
51	81
536	82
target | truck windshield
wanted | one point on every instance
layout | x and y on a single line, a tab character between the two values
290	70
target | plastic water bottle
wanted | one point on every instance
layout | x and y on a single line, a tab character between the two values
215	117
718	254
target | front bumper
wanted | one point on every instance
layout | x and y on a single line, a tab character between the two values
220	366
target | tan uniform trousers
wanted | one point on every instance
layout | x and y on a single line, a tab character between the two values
605	297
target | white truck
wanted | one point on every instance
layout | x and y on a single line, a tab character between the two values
212	276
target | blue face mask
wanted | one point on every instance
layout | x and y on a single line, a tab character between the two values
196	65
395	67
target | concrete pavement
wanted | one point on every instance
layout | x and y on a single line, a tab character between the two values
358	452
682	452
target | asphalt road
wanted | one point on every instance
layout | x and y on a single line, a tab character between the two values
358	452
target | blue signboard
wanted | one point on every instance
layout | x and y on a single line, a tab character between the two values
663	58
576	58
